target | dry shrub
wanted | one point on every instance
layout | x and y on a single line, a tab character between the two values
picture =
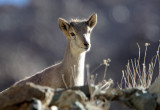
138	75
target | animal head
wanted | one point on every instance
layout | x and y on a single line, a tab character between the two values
78	32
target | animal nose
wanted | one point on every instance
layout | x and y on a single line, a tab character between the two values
86	44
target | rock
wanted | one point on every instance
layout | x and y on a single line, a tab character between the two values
155	88
17	97
143	100
35	97
35	104
77	106
69	98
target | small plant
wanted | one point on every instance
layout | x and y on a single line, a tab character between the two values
90	75
137	75
102	85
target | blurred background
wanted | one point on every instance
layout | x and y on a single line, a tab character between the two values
30	38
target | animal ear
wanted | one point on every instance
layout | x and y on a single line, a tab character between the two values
92	21
63	25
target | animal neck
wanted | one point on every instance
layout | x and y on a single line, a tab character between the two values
73	63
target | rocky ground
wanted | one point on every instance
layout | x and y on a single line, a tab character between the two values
93	97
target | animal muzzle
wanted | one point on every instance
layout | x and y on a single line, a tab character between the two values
86	45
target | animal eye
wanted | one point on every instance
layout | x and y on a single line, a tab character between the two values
72	34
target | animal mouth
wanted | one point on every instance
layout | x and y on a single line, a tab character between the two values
86	48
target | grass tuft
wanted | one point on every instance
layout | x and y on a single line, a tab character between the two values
139	76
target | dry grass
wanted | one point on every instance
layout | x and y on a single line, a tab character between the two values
139	75
91	79
90	75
